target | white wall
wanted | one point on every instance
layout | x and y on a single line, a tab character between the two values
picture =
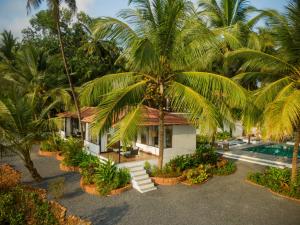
183	142
94	148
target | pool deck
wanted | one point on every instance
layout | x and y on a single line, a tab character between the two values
240	153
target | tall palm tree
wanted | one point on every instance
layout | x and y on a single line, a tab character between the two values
7	44
20	129
160	41
279	97
54	6
225	13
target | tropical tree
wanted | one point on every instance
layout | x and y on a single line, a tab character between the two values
160	41
7	44
279	75
20	129
54	7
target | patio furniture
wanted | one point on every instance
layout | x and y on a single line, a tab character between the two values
131	153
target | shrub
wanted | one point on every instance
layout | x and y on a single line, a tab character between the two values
73	152
9	177
196	175
109	177
54	143
20	206
204	154
223	135
277	180
88	167
167	172
147	167
202	140
226	169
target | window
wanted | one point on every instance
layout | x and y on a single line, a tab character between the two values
169	134
145	135
93	136
154	136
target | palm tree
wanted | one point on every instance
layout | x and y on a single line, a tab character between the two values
7	44
20	129
160	41
279	97
54	6
225	13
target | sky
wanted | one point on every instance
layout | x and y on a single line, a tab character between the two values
13	14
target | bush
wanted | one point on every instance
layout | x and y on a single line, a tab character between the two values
73	152
167	172
54	143
204	154
277	180
223	135
226	169
108	177
20	206
88	167
196	175
202	140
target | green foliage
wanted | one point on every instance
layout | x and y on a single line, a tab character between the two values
202	140
88	166
54	143
147	167
73	152
108	177
196	175
223	135
277	180
227	169
204	154
20	206
166	171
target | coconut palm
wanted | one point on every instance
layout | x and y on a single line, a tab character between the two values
279	97
160	41
7	44
20	129
54	7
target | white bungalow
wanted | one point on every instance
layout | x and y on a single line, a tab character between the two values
180	136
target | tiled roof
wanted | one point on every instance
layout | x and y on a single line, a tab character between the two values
85	113
150	116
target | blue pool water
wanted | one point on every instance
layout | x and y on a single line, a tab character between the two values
276	150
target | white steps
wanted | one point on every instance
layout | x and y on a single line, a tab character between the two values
263	162
140	179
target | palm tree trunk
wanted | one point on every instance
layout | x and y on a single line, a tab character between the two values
161	137
29	165
295	156
76	102
249	139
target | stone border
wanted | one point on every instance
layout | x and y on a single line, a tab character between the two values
273	192
167	180
47	153
59	157
68	168
92	189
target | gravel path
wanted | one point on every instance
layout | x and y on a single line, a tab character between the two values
221	201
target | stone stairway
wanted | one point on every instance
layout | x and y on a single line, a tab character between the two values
139	178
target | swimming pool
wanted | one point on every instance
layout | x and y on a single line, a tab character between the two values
276	150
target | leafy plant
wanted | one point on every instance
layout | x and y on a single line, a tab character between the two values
166	171
73	152
196	175
223	135
278	180
54	143
20	206
109	177
88	167
226	169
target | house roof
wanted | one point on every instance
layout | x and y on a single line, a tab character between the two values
150	116
85	112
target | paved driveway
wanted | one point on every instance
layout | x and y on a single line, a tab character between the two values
221	201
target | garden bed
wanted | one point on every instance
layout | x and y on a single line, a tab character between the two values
47	153
188	183
167	180
68	168
59	157
273	192
92	189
